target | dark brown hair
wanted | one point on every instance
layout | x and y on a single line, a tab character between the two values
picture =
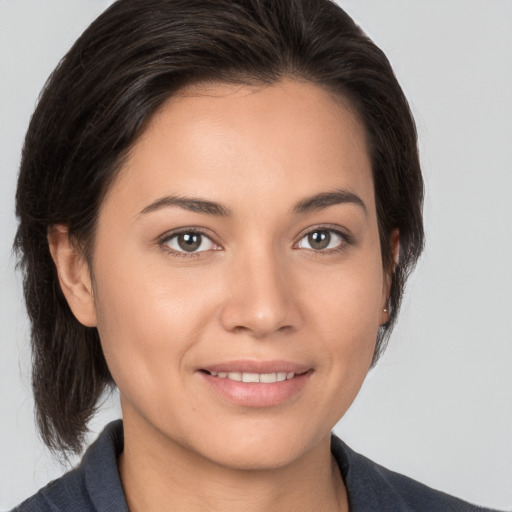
97	102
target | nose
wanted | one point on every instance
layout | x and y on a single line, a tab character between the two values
261	298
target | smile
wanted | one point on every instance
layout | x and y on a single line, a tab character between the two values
265	378
256	384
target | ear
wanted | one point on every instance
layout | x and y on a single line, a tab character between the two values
395	250
74	275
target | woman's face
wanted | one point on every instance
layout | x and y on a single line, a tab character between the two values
240	243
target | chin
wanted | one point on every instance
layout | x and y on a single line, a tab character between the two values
260	448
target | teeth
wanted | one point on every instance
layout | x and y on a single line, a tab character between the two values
250	377
266	378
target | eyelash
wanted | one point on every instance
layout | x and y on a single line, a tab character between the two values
163	242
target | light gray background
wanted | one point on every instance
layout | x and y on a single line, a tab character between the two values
439	405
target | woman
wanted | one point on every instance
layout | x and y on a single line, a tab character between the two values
165	251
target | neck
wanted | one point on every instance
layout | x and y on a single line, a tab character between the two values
159	474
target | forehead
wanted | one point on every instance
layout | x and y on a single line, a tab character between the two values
232	142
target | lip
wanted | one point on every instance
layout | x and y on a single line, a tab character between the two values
251	366
252	394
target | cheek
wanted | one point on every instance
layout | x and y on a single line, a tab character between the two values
346	308
349	299
148	317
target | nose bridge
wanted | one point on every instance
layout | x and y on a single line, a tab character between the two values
260	299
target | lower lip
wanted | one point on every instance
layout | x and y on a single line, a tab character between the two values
256	394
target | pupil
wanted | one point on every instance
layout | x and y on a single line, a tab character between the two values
319	239
189	241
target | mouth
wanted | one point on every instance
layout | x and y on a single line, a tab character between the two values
257	384
250	377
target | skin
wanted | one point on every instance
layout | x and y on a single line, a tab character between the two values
255	290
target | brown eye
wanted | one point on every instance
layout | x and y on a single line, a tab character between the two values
189	242
321	239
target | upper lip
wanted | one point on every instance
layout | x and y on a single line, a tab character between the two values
251	366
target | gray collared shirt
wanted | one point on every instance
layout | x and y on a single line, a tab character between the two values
95	485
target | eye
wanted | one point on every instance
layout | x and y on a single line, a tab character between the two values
321	239
189	242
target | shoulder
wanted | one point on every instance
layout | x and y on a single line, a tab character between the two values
66	494
93	486
373	487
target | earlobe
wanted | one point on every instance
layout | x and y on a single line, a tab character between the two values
73	273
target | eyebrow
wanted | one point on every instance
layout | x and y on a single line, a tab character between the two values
189	203
326	199
198	205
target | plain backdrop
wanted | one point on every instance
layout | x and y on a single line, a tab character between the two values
438	407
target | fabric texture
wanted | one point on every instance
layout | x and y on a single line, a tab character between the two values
95	485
